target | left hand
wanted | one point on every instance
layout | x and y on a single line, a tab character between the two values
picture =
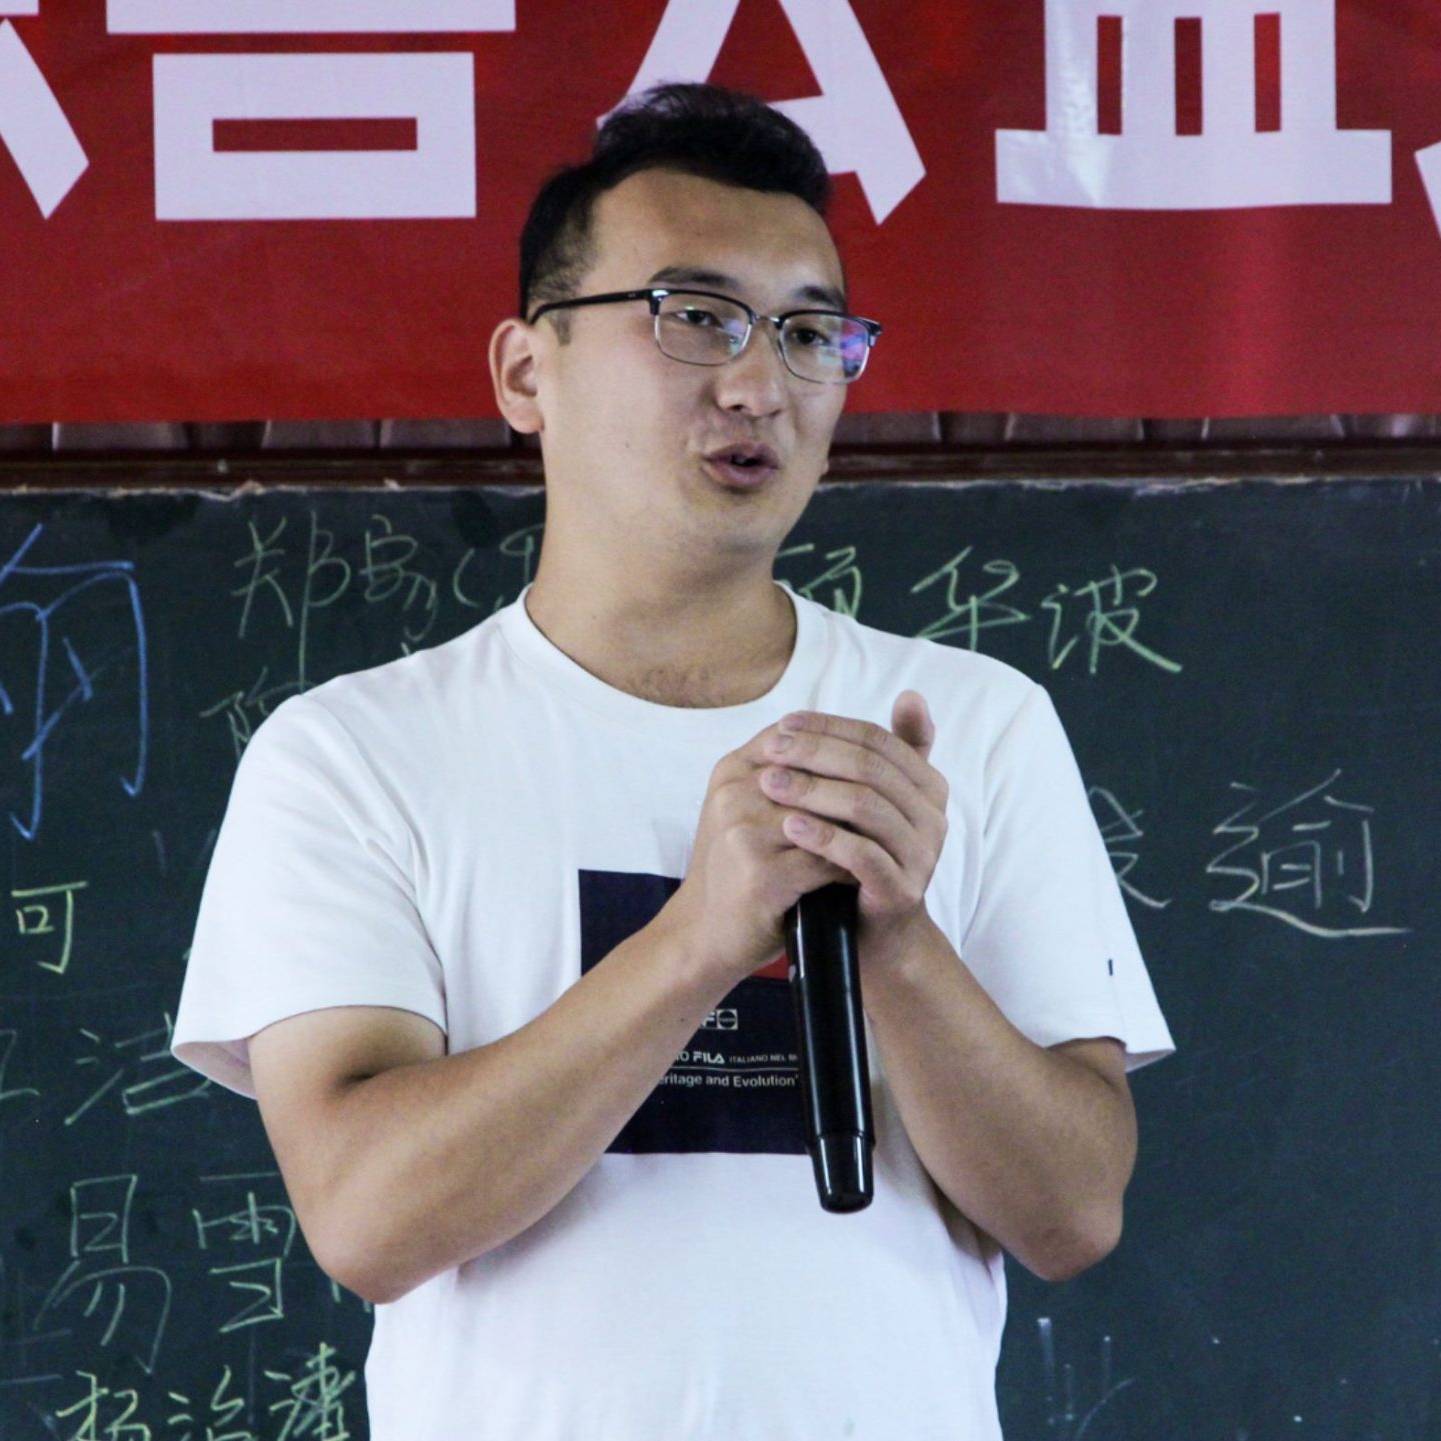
890	802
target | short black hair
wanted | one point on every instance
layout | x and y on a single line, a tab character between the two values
698	129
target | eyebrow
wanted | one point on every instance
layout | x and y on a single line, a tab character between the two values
822	294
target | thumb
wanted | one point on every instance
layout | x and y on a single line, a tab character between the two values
911	721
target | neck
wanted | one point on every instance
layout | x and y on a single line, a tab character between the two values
713	644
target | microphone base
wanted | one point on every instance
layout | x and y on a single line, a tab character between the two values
842	1163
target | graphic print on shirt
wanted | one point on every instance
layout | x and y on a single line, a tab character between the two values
735	1086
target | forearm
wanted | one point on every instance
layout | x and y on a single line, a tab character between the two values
1032	1146
451	1157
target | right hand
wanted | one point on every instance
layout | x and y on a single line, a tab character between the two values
745	872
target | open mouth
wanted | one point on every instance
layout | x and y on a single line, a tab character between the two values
743	473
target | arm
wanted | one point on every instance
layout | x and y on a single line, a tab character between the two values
1033	1145
448	1158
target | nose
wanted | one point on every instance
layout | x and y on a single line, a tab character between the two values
756	374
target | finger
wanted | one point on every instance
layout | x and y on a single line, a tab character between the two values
877	739
857	809
876	870
816	753
911	721
757	750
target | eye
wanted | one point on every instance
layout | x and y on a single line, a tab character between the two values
692	311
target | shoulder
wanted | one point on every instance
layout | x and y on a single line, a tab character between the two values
399	699
981	694
379	725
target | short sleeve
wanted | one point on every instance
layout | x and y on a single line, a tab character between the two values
1050	938
308	901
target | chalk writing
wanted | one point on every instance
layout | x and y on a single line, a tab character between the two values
128	1303
839	586
1104	627
252	1226
386	570
50	683
36	918
171	1082
7	1045
1303	846
117	1418
970	617
1118	827
390	568
1093	608
320	566
389	572
222	1418
313	1406
1064	1419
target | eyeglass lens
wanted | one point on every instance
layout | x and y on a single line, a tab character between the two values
703	330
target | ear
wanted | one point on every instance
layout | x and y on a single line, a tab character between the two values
513	374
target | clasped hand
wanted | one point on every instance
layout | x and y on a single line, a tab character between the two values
868	800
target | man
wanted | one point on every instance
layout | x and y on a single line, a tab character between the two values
492	931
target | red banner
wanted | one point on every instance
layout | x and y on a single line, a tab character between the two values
310	209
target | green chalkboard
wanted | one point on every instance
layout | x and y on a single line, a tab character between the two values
1249	675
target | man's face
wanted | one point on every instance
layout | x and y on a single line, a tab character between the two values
624	428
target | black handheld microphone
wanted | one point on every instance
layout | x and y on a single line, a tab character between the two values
831	1041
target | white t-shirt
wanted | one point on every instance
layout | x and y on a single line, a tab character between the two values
466	830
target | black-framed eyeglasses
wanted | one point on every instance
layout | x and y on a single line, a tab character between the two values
703	327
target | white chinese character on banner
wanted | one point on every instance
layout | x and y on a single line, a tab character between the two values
33	127
1308	161
436	89
855	121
